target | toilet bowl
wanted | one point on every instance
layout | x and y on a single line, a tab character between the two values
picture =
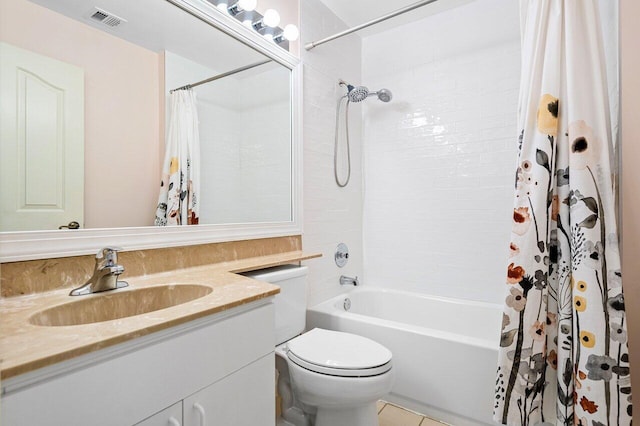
326	377
338	377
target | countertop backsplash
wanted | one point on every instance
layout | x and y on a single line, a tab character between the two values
36	276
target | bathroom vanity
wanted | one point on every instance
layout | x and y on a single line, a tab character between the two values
219	367
206	361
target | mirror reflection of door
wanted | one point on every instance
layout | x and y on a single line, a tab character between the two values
41	141
129	69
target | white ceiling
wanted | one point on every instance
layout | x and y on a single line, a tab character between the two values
356	12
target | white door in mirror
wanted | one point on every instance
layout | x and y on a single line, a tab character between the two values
41	141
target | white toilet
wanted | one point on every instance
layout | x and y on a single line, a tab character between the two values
326	378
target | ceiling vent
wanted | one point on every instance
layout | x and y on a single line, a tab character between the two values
106	18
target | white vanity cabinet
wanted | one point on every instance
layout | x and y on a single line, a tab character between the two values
237	399
223	365
171	416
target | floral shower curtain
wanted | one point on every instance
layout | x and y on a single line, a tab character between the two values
563	355
178	202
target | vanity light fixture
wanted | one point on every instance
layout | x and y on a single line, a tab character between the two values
266	25
270	19
247	18
290	33
242	5
223	6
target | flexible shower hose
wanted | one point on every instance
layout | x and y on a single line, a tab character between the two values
335	147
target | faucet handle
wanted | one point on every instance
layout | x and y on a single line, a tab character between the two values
109	254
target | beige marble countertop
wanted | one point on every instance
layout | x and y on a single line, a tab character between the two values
25	347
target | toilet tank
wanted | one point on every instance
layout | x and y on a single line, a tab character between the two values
291	302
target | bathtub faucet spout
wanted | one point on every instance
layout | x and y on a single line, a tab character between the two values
344	280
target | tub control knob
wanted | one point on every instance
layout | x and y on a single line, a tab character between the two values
342	255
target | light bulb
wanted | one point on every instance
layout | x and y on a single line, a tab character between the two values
242	6
271	18
291	32
268	36
222	7
248	5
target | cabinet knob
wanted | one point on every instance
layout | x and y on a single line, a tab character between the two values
200	409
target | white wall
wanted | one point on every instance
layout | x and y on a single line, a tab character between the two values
331	214
220	163
265	163
439	159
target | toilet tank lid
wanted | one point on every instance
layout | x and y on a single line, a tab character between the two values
336	349
277	273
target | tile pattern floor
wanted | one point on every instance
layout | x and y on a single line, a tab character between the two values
393	415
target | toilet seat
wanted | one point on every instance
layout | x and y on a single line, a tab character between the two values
339	354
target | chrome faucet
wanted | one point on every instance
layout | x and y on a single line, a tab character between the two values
105	274
344	280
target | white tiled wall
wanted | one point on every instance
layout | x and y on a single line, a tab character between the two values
331	214
220	159
439	159
265	163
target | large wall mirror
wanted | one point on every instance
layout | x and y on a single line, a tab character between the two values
86	114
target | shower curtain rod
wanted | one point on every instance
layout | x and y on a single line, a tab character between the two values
219	76
393	14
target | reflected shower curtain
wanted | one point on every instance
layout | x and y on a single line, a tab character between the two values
563	356
178	202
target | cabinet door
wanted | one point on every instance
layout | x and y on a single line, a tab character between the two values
244	398
171	416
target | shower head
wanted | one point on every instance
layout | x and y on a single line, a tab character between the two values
355	93
360	93
384	95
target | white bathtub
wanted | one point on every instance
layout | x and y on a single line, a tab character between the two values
444	350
